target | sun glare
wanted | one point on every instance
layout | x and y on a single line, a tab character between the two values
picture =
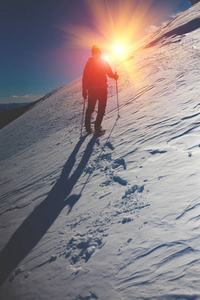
115	26
118	49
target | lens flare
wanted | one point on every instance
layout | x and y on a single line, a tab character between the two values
119	22
118	49
114	26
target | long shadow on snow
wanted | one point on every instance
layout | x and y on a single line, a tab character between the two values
39	221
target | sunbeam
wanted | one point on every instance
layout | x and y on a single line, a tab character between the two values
114	26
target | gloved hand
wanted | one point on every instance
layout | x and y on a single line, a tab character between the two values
116	76
84	94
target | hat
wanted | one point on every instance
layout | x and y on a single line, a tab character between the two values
95	50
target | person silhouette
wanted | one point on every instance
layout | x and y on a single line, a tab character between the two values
94	86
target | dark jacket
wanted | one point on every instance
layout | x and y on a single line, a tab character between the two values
94	74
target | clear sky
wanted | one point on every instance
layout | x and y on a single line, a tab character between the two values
46	43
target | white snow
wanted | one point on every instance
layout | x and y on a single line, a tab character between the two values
116	217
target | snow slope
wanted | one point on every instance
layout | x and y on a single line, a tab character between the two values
116	217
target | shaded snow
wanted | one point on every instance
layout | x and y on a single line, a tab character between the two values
115	217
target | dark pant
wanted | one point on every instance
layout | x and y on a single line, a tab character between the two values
99	94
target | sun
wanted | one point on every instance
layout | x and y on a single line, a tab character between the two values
118	49
115	52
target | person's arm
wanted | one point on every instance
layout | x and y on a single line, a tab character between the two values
110	72
85	81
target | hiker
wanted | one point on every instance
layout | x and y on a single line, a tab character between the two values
94	86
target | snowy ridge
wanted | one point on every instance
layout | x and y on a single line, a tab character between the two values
115	217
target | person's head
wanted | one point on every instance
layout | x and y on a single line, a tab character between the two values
96	52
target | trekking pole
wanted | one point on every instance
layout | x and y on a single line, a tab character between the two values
82	116
117	99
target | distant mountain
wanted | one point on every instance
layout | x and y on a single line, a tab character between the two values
11	111
9	106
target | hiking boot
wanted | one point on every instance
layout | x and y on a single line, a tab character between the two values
89	130
99	131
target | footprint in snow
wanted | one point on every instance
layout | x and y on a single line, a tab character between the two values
153	152
156	154
91	296
119	162
82	248
132	190
109	145
119	180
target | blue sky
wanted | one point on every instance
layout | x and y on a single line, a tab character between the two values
37	55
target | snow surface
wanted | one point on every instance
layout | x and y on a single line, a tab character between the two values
116	217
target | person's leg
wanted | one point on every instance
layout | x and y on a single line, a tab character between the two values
101	108
90	109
